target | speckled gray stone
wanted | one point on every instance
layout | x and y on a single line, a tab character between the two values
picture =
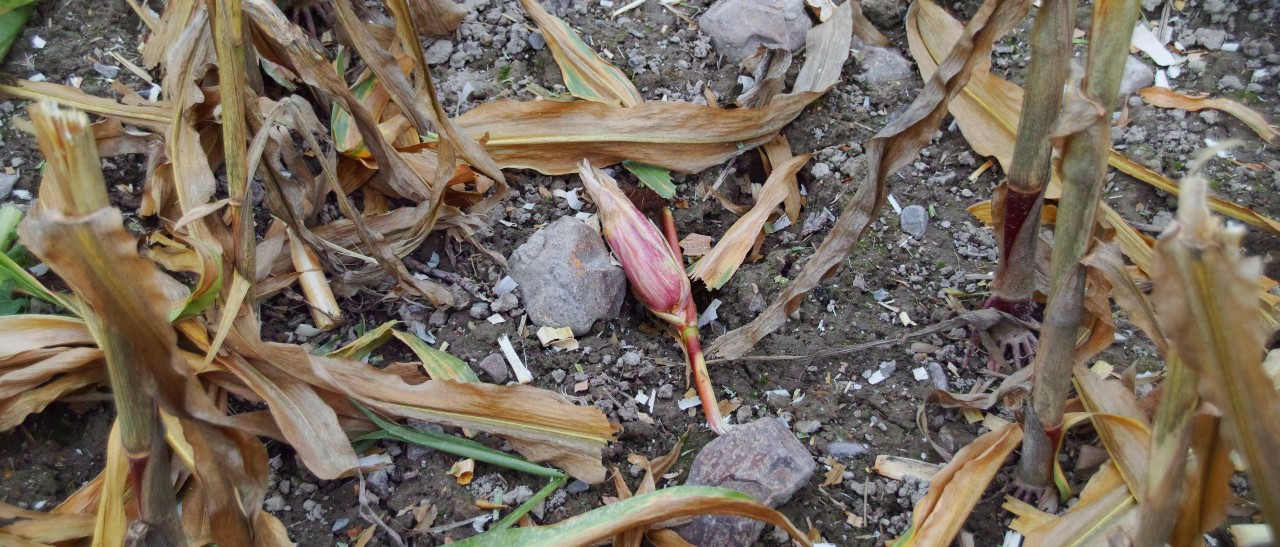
566	277
762	459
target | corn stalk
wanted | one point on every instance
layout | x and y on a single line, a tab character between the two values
73	194
1084	134
1020	198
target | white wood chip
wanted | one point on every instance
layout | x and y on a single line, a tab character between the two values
686	404
522	372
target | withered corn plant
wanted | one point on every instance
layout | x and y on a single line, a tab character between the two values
1018	201
1083	134
227	70
653	266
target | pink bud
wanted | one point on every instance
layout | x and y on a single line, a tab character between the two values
657	277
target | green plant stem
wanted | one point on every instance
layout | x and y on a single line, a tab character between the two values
451	444
1084	166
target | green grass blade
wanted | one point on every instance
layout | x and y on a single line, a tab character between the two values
653	177
11	23
453	445
439	365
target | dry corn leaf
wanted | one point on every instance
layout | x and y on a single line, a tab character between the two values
1120	423
463	470
554	137
640	511
20	333
154	116
1168	98
1205	301
541	425
894	146
43	527
719	265
19	374
112	518
956	489
1104	504
586	75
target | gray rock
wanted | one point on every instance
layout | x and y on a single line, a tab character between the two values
808	427
761	459
844	449
666	391
438	52
915	219
577	487
820	170
631	358
558	375
496	367
882	67
1230	82
505	303
740	27
480	310
274	504
339	524
566	276
777	400
1137	75
379	482
1211	38
7	180
884	13
536	41
520	495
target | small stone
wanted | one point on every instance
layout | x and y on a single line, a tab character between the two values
1137	75
884	13
631	358
536	41
496	367
480	310
577	487
1230	82
808	427
666	391
284	486
915	220
882	70
505	303
567	277
339	525
880	295
438	318
844	449
274	504
777	400
438	52
762	459
1211	38
740	27
558	375
379	482
820	170
518	496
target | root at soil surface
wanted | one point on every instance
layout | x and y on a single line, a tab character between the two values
1044	498
1010	341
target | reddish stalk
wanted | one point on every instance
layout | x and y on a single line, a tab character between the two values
692	343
